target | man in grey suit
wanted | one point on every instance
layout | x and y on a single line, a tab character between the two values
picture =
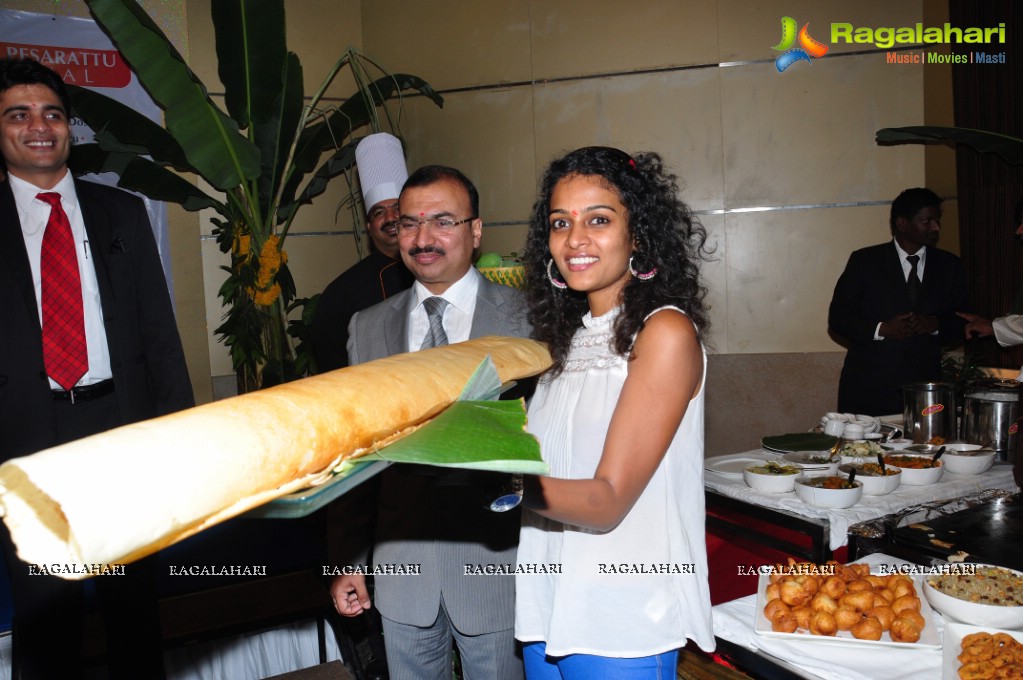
437	519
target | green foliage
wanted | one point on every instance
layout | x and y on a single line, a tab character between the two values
1007	147
265	154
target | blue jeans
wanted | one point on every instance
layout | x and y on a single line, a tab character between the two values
539	666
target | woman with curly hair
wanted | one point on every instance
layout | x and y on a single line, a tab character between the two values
613	284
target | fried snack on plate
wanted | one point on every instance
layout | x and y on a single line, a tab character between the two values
824	600
985	655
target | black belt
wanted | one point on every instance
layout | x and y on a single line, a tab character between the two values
76	394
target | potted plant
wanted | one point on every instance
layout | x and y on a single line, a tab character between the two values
271	152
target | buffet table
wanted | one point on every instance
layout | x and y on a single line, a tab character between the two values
734	508
814	658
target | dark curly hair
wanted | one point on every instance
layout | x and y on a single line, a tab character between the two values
660	224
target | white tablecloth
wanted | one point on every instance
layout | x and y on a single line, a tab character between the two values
244	657
869	507
733	621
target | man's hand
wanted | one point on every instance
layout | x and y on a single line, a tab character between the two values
350	595
923	325
976	326
898	328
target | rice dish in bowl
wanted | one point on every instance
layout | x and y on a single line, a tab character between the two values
990	596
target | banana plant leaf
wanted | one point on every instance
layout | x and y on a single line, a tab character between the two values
1008	148
251	52
340	161
799	441
476	435
210	139
129	127
139	174
275	135
351	115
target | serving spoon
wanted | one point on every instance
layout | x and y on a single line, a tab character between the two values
938	453
834	449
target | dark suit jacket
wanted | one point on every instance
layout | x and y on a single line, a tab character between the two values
439	521
873	289
147	360
364	284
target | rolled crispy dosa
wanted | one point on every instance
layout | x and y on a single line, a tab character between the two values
117	496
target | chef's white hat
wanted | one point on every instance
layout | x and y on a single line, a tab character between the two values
381	166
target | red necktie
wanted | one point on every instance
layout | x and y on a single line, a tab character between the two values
64	350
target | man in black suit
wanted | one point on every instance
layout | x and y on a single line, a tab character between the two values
894	308
381	164
129	367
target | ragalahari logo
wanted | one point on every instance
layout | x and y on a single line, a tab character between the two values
808	47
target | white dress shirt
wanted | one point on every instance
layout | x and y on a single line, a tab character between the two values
461	298
34	214
1009	333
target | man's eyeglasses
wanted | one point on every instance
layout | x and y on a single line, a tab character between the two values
442	225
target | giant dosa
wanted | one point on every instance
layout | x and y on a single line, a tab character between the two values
120	495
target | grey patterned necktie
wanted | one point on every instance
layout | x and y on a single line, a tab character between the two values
436	337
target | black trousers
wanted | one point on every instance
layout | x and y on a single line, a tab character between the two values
48	611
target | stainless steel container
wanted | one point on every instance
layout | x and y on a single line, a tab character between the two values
989	418
929	411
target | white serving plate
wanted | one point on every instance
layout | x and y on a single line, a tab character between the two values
732	465
928	636
951	645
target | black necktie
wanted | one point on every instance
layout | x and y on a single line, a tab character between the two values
913	282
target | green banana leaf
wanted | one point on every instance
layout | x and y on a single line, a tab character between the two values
476	435
210	138
128	126
275	135
799	441
251	52
351	115
1008	148
341	160
136	173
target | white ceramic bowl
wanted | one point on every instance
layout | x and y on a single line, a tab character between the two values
898	444
771	482
813	462
874	485
827	498
986	615
967	459
916	476
854	431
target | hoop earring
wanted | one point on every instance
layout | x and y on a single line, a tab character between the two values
550	276
645	276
